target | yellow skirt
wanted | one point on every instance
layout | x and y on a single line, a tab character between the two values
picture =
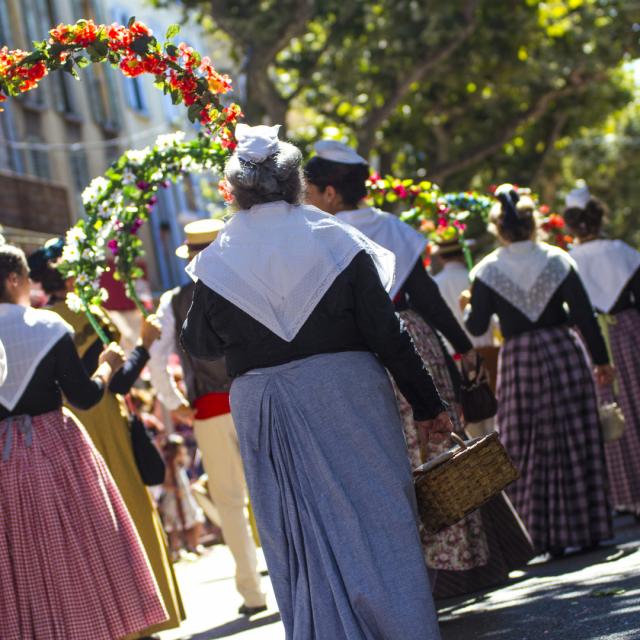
108	427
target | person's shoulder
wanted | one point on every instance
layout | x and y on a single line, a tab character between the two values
558	254
46	317
485	264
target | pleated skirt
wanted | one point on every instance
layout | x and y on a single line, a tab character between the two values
548	421
330	483
623	455
71	563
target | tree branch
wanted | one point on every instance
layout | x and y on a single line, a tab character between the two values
535	112
560	121
377	116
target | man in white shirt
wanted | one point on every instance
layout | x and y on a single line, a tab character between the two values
207	407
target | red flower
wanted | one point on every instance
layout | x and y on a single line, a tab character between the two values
86	33
224	189
138	29
556	221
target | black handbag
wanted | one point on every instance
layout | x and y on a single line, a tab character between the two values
148	459
477	400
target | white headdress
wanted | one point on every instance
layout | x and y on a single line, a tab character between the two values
578	197
337	152
256	144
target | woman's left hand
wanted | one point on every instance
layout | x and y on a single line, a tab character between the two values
151	331
465	299
605	375
434	431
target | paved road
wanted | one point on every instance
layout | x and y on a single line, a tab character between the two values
594	596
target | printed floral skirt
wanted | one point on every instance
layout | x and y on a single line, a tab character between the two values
464	545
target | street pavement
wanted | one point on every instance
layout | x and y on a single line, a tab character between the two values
592	596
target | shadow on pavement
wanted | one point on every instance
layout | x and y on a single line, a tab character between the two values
236	626
546	603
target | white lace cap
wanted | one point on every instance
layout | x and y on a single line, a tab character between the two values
256	144
337	152
578	197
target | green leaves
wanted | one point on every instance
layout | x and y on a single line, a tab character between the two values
172	31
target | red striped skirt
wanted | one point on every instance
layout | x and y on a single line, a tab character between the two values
548	421
71	563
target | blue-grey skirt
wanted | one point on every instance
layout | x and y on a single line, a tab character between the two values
327	469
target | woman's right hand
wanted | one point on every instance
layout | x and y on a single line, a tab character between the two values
113	355
605	375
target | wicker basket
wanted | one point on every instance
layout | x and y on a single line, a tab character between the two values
460	480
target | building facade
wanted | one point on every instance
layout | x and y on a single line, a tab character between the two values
55	139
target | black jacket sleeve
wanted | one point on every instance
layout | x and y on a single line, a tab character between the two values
384	335
126	377
583	315
80	389
478	315
426	299
198	337
633	287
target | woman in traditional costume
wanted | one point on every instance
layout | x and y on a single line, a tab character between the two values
610	271
108	424
547	406
71	563
293	298
482	549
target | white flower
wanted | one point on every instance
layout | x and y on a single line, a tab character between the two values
82	279
138	157
168	140
70	253
95	189
156	176
186	163
104	294
104	211
128	177
75	235
87	254
74	303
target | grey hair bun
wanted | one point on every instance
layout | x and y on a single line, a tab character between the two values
278	177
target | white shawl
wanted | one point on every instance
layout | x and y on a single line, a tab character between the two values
276	261
391	233
605	266
526	274
27	335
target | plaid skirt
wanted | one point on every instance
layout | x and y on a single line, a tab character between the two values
71	563
548	421
623	455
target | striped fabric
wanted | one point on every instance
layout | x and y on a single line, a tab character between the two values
623	456
71	563
548	421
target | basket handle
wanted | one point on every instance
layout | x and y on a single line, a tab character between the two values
458	440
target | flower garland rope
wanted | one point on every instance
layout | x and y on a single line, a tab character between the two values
440	216
179	71
117	206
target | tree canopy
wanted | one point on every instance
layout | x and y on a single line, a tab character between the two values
466	92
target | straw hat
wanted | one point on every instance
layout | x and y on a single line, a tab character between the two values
200	234
446	247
